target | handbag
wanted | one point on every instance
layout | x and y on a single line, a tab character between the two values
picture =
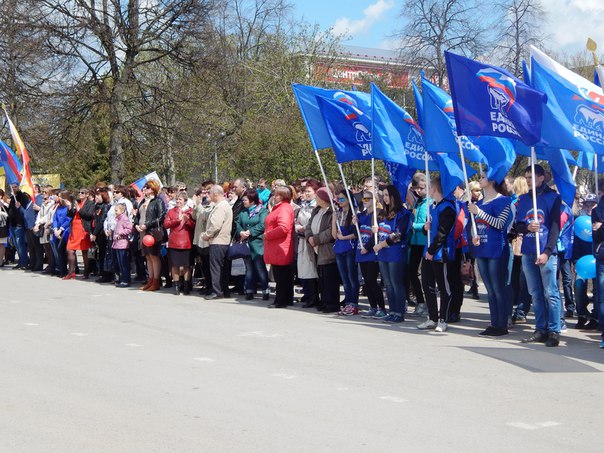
238	250
238	267
467	272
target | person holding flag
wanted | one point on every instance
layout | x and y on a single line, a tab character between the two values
16	221
491	248
540	270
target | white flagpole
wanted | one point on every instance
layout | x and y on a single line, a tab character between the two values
596	173
575	172
351	205
375	192
534	190
333	208
465	176
427	189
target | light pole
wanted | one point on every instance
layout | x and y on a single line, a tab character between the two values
221	136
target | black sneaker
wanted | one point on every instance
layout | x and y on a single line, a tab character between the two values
536	337
591	325
553	339
581	322
249	296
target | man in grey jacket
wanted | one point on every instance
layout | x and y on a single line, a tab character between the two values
218	234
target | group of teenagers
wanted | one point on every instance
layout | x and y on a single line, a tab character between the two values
417	245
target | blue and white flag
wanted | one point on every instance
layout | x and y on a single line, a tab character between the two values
573	116
439	124
488	100
394	130
349	130
311	114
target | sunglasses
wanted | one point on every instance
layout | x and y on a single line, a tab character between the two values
83	193
342	199
367	198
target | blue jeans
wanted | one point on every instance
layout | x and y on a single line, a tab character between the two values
494	276
18	235
123	262
350	276
255	273
393	274
543	287
599	290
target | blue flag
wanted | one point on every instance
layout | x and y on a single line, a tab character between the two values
526	73
500	155
572	116
307	101
488	100
394	130
349	129
562	175
586	160
542	152
400	175
439	124
11	164
451	174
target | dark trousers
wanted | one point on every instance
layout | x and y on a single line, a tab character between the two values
35	251
217	263
204	255
567	282
123	263
329	285
455	283
434	278
416	253
284	285
370	271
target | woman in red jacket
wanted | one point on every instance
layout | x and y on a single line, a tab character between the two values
179	220
279	246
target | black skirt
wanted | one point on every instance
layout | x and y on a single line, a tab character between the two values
180	257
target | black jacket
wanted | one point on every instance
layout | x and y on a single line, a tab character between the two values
154	216
100	215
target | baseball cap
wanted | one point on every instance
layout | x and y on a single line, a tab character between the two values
590	198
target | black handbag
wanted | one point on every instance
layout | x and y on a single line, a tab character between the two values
238	250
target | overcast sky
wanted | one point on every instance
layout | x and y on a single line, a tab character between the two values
370	23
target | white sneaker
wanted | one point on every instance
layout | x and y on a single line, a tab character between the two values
441	326
429	324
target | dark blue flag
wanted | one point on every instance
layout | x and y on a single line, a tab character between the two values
349	129
419	104
488	100
307	101
400	175
451	173
500	155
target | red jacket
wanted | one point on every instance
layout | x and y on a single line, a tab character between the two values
181	232
279	235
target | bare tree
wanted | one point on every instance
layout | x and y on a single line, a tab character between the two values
521	20
433	26
110	41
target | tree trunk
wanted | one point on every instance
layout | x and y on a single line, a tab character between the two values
116	135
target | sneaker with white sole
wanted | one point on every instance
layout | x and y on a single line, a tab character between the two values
369	313
428	324
381	314
441	326
351	311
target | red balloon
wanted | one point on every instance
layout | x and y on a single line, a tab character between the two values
148	240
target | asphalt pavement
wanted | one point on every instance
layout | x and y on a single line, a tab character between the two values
87	367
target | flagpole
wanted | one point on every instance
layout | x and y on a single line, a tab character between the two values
575	172
427	188
351	205
333	207
596	173
534	190
465	176
375	235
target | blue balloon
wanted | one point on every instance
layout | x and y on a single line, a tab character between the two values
586	267
583	228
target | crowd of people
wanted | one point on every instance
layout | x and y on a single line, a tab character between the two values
418	248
